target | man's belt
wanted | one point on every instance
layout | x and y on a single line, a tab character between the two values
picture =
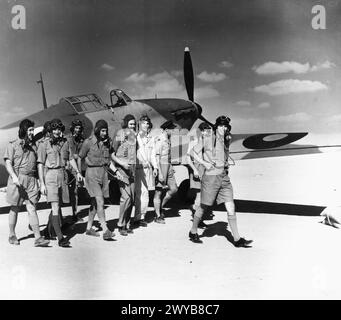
55	168
97	166
31	174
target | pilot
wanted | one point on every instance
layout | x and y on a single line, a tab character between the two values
196	170
165	178
146	168
117	99
215	182
125	159
22	186
97	150
53	154
75	140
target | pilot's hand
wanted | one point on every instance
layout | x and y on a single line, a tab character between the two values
126	165
146	164
196	174
155	172
80	178
43	189
16	181
161	178
119	176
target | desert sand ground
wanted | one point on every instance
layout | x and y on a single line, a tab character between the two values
278	205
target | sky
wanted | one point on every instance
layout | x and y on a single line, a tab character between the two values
260	62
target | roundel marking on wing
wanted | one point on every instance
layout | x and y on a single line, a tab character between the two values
272	140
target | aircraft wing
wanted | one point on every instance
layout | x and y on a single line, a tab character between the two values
263	145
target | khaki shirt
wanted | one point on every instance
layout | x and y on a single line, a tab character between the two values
75	146
53	156
24	161
96	153
214	150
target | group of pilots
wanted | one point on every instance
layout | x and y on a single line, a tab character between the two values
51	165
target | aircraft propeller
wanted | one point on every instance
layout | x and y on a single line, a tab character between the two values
189	83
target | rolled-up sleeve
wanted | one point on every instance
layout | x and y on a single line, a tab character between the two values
9	153
41	153
84	149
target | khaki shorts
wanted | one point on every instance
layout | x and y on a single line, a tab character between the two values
97	182
169	182
56	187
29	190
216	187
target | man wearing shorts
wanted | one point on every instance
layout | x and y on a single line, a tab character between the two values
53	153
97	150
166	174
196	170
215	183
22	187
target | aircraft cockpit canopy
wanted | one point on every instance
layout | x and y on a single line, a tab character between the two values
118	98
85	103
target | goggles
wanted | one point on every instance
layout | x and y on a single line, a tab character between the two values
57	125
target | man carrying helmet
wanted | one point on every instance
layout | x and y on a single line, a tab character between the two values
215	182
21	164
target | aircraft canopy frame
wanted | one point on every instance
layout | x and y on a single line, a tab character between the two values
86	103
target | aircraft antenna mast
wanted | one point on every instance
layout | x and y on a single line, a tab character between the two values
42	91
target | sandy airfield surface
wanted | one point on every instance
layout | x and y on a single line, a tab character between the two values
293	256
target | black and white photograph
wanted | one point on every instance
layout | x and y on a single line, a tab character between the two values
170	150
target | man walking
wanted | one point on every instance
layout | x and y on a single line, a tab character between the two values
21	164
97	151
215	183
53	153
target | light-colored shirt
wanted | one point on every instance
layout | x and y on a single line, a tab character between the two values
96	153
215	150
145	149
23	160
53	155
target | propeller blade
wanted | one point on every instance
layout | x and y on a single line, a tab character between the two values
188	75
205	120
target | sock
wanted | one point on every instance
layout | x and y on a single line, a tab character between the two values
56	227
232	220
196	219
101	218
